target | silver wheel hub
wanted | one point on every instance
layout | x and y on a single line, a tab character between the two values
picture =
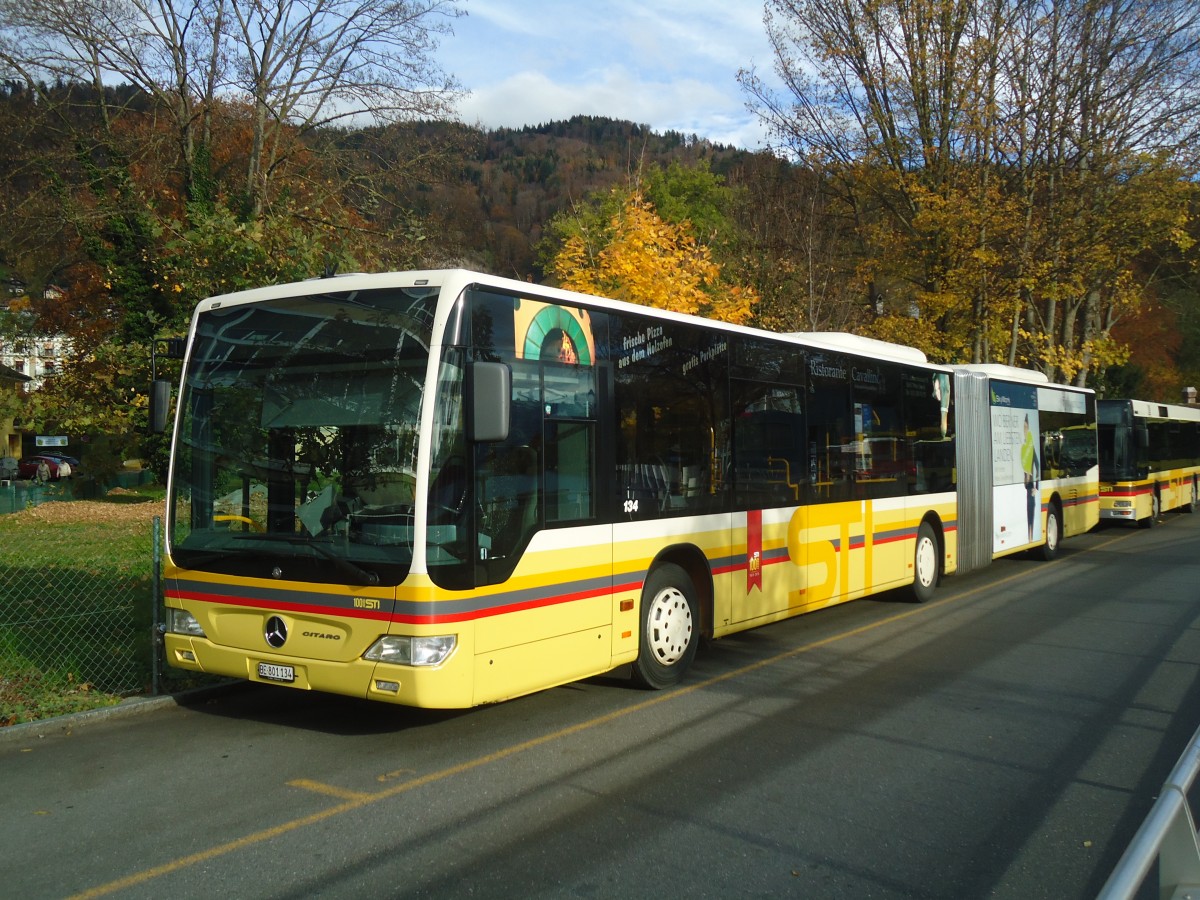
669	626
926	561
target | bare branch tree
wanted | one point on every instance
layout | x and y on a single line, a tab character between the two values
299	64
1062	110
309	63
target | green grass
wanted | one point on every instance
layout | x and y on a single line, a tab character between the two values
28	694
76	605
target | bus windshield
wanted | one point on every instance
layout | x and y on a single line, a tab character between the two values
296	450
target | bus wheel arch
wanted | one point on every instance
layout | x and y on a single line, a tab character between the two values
927	559
1054	529
675	610
692	560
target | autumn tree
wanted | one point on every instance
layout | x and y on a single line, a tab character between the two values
1002	162
294	65
798	251
618	245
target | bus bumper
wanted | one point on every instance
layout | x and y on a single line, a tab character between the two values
448	686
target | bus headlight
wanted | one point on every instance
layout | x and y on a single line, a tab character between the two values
412	651
180	621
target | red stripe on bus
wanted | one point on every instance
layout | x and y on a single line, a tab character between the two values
226	600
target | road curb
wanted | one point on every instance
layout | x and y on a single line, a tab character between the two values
63	726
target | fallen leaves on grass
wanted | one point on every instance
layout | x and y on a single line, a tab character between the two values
87	511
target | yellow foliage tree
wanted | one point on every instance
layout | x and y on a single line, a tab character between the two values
640	258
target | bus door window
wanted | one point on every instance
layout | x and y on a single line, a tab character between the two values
929	431
569	404
508	478
1115	433
449	550
545	472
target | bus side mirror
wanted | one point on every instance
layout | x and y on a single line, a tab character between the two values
1143	436
491	402
160	405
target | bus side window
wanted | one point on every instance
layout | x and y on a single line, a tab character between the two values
673	442
770	460
831	437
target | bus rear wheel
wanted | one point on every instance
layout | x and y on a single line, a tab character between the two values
1193	500
1049	549
670	630
926	567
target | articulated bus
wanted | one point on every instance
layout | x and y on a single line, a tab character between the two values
1149	460
444	489
1028	472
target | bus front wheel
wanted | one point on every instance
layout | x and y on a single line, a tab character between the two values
1049	549
1155	510
926	568
670	627
1193	500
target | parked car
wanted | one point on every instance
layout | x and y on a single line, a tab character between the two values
59	468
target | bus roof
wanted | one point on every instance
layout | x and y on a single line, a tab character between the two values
1147	409
1010	373
864	346
458	278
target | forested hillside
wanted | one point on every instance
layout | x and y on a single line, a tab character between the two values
493	203
1033	201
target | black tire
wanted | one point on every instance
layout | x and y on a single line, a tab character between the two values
670	631
1054	533
927	567
1155	510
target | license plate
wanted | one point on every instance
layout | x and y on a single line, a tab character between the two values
272	672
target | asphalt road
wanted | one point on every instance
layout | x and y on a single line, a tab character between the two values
1004	740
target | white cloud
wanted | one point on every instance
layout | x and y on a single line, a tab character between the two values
669	64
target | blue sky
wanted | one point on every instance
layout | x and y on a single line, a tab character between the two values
669	64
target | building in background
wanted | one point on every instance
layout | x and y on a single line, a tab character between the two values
11	381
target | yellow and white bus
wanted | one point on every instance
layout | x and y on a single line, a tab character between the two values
444	489
1028	473
1149	460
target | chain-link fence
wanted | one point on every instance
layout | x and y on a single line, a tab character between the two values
79	595
18	494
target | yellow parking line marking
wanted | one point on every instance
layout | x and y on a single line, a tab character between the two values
358	800
328	790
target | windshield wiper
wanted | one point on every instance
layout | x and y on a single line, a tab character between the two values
357	574
343	565
204	557
365	576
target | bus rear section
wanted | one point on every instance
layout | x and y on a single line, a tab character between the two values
1028	473
1149	460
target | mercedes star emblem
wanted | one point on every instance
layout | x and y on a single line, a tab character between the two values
276	633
